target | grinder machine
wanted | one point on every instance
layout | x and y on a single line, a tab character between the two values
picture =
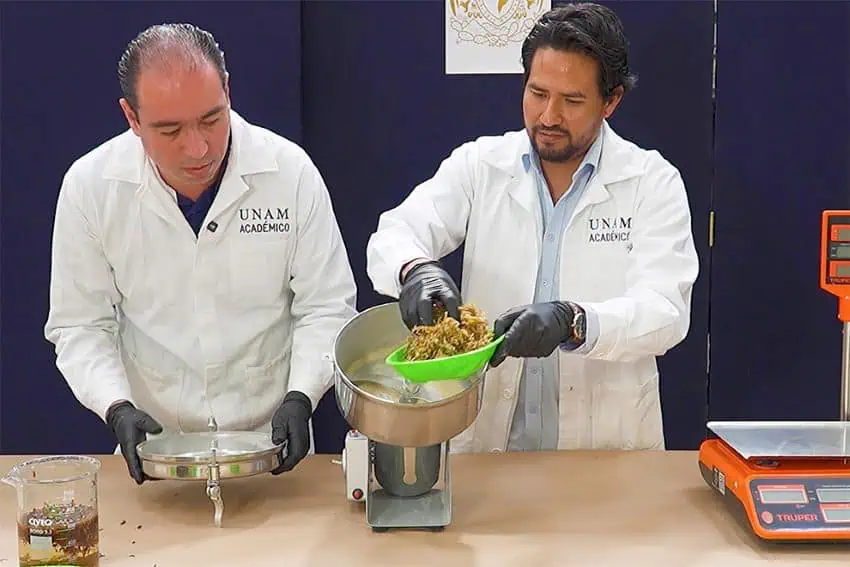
396	457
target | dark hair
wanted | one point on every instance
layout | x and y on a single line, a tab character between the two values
586	28
157	43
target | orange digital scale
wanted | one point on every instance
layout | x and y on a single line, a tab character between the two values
790	480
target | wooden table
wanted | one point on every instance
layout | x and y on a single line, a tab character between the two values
515	509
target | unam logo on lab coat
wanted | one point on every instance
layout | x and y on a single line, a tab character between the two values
494	23
611	229
263	219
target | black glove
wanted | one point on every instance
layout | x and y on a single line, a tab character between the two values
291	423
425	285
130	426
532	331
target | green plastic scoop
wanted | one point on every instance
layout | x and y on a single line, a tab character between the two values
457	367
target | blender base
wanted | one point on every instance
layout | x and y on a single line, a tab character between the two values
386	511
431	511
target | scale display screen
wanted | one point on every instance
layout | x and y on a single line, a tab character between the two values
835	254
783	494
841	252
836	514
833	495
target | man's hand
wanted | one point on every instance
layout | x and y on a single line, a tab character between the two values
130	426
532	331
291	423
424	285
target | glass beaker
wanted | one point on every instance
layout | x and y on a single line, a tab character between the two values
57	511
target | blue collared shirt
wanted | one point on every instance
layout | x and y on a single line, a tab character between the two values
196	211
535	421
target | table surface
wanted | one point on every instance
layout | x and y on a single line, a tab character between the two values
535	509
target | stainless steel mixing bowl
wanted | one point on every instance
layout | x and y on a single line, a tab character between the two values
374	400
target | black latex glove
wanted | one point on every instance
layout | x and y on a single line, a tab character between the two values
130	426
532	331
424	286
291	423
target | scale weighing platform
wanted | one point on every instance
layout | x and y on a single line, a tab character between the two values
790	481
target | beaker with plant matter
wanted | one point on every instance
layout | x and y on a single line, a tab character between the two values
57	511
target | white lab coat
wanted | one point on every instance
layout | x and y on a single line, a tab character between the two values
222	325
627	253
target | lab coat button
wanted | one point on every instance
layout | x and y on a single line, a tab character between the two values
508	393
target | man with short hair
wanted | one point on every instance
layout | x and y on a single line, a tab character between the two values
576	241
197	267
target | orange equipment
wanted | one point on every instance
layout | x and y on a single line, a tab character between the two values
790	481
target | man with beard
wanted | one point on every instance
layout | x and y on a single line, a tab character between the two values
578	238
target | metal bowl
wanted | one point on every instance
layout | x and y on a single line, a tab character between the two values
188	456
211	456
376	401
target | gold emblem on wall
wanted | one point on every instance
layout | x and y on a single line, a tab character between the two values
485	36
496	23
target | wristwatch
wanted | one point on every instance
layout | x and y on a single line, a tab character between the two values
578	330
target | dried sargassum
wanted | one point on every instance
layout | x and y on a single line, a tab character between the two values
447	336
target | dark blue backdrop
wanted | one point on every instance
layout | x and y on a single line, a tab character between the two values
377	116
782	156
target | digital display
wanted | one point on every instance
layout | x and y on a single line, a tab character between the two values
843	233
837	514
842	270
833	495
840	252
783	495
